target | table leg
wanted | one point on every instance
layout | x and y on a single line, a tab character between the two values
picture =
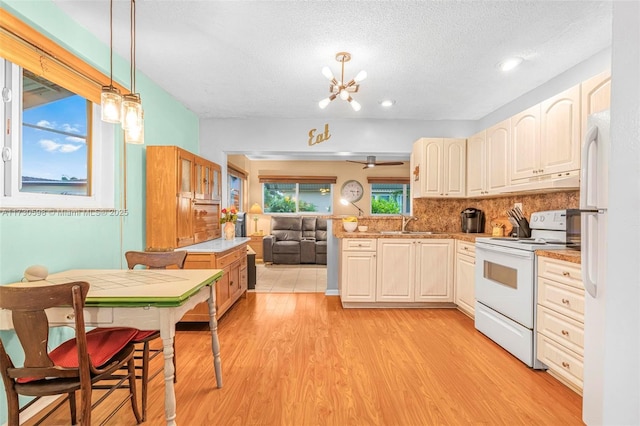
215	343
169	372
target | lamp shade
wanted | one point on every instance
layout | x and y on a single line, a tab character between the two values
255	209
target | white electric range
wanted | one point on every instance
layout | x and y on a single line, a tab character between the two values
505	286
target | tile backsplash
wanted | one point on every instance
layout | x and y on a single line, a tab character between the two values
444	214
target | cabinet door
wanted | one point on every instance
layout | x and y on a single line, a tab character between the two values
184	220
525	144
215	183
358	276
595	97
560	137
497	155
434	271
465	283
396	261
476	164
432	171
455	154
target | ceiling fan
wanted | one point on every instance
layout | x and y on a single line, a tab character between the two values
371	162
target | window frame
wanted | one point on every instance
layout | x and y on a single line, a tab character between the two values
297	200
406	194
100	165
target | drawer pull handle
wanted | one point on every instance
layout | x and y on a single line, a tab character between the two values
70	316
230	282
565	301
565	333
566	274
565	364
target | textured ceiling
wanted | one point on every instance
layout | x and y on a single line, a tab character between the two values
437	60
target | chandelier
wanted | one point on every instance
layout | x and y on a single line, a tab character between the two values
341	88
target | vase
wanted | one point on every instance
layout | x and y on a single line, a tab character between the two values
229	231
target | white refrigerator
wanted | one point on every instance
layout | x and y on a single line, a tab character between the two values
594	180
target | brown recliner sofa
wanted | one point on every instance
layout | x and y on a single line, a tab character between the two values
296	240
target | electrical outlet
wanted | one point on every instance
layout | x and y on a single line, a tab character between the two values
517	206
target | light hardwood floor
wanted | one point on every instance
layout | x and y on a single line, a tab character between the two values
300	359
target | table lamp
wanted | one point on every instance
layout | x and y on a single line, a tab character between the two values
255	210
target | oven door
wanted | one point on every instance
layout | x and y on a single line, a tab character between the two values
505	281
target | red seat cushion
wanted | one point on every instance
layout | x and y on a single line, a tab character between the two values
141	335
102	345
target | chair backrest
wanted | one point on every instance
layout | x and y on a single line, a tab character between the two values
156	259
286	228
321	229
308	227
31	325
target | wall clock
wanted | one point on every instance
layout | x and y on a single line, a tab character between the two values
352	191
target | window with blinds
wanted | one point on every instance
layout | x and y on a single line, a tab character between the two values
390	195
297	194
57	153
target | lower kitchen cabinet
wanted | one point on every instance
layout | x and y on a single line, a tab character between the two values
229	288
358	270
396	271
465	277
560	320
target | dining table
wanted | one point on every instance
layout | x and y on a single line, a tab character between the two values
146	299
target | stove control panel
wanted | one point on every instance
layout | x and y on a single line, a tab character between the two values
551	219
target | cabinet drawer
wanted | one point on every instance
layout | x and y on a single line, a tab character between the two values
561	360
362	244
229	258
464	247
562	329
561	271
561	298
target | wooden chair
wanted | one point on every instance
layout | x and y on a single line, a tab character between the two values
153	260
74	366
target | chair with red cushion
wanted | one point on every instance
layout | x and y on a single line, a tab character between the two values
74	366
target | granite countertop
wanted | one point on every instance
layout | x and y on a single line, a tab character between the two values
567	255
455	235
218	245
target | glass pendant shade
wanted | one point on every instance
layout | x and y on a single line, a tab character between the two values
135	135
111	103
131	111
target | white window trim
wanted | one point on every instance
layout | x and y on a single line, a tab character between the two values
102	158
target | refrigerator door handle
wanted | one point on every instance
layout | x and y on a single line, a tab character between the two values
588	255
586	179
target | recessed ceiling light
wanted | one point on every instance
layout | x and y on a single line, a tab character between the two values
387	103
509	64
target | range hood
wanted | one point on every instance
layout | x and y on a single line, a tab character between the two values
566	182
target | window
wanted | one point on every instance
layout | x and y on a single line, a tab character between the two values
56	153
236	180
288	194
388	197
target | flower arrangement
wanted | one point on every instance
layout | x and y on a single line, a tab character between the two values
230	215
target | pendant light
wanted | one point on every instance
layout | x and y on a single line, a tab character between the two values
110	98
131	114
135	136
342	89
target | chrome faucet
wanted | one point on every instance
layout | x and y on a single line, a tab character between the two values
406	220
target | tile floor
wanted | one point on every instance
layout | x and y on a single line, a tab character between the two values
290	278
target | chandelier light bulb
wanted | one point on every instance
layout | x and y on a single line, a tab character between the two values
355	105
326	71
323	103
361	76
344	94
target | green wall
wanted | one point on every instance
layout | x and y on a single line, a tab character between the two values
62	243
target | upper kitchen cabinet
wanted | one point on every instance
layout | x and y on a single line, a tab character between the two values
180	207
525	144
487	155
441	168
596	97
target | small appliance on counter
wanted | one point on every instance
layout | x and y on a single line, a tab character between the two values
472	220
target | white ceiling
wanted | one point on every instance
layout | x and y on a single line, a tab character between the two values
437	60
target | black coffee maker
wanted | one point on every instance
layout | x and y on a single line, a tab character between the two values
472	220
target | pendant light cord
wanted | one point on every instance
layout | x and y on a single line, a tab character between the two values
132	48
111	43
